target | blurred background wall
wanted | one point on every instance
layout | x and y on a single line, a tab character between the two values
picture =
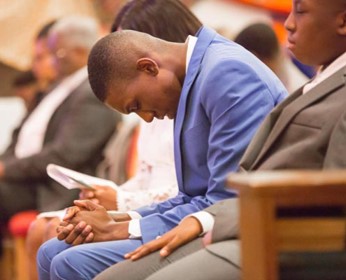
19	22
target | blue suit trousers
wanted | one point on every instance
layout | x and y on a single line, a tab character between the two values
58	260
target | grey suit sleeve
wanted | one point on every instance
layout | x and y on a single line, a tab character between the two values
226	215
8	153
335	155
77	135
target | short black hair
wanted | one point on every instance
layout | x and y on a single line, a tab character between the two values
259	38
99	70
113	59
110	61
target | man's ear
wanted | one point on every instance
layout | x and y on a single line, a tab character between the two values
341	20
148	65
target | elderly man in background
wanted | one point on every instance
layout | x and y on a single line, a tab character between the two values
68	127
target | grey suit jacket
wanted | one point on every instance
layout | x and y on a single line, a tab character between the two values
303	132
75	137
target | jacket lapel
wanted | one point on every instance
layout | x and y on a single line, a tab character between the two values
296	103
205	37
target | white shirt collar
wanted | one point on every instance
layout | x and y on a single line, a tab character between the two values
336	65
191	43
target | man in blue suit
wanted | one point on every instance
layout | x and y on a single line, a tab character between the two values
217	92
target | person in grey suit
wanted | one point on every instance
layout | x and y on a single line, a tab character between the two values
305	131
68	127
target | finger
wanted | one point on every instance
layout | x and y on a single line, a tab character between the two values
77	219
61	226
130	254
146	249
77	230
80	239
65	231
95	200
86	204
63	223
82	194
139	253
90	237
164	252
59	229
70	212
172	245
86	194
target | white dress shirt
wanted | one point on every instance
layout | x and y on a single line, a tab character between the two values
31	136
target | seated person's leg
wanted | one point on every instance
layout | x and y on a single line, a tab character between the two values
58	260
50	230
33	241
13	199
142	268
40	230
204	264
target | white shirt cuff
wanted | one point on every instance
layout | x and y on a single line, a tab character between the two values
121	203
135	229
134	215
206	220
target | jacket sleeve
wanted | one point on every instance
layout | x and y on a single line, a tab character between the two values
226	217
335	155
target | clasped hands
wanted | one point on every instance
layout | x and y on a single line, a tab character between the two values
89	222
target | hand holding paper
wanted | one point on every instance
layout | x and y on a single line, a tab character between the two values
103	195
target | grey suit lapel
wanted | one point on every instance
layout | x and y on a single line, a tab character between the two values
277	123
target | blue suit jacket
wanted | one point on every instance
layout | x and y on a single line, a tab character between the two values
226	94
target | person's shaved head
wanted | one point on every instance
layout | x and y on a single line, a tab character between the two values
114	57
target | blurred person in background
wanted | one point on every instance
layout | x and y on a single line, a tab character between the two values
261	40
69	126
40	78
